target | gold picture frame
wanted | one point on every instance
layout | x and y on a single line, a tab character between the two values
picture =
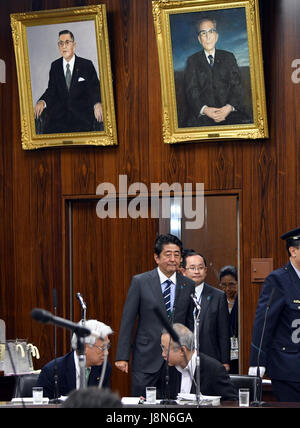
189	85
70	118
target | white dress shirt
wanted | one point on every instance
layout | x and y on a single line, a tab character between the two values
187	374
163	278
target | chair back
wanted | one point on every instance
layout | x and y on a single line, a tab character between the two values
24	384
254	384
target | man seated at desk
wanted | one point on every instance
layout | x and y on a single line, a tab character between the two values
67	367
181	360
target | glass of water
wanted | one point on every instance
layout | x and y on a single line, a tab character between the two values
150	394
37	395
244	395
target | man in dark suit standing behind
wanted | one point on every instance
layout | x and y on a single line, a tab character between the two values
214	332
166	289
212	81
72	98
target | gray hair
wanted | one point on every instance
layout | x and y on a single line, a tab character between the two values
101	329
186	337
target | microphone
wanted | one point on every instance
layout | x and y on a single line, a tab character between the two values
166	324
46	317
196	303
259	402
82	302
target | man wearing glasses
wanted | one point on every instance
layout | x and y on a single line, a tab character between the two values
214	333
72	99
67	369
212	80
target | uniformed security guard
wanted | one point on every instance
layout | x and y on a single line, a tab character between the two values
277	321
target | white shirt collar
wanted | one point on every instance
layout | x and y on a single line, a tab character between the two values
187	373
71	63
198	290
163	277
207	54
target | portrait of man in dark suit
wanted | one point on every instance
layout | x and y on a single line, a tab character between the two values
72	100
212	88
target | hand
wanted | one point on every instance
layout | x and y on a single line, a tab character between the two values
253	371
227	367
218	114
39	108
98	112
122	365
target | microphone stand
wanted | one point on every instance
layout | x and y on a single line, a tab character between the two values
167	400
257	400
55	400
197	348
81	360
196	340
81	345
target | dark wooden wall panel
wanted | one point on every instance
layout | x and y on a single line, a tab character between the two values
35	186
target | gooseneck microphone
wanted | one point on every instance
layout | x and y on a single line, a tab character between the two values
46	317
166	324
258	402
82	302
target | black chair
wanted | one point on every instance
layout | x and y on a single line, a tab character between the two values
24	384
254	384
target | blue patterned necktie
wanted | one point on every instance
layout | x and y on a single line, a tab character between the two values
167	296
211	60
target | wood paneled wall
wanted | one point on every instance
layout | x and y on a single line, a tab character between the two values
35	185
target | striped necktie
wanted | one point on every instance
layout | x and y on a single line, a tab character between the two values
211	60
167	296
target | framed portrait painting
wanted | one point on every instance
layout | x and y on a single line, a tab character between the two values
211	70
64	77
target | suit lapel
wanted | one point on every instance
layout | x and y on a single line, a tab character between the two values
154	283
70	374
205	301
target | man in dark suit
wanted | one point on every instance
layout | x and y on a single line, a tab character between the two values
181	357
72	99
147	292
212	81
214	327
67	367
278	310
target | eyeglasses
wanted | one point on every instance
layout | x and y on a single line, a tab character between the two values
228	284
166	349
66	43
104	347
195	268
204	33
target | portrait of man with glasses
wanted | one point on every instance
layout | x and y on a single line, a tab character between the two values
212	80
72	100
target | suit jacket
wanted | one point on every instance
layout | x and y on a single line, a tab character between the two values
214	87
214	325
71	110
143	295
214	380
281	343
66	372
